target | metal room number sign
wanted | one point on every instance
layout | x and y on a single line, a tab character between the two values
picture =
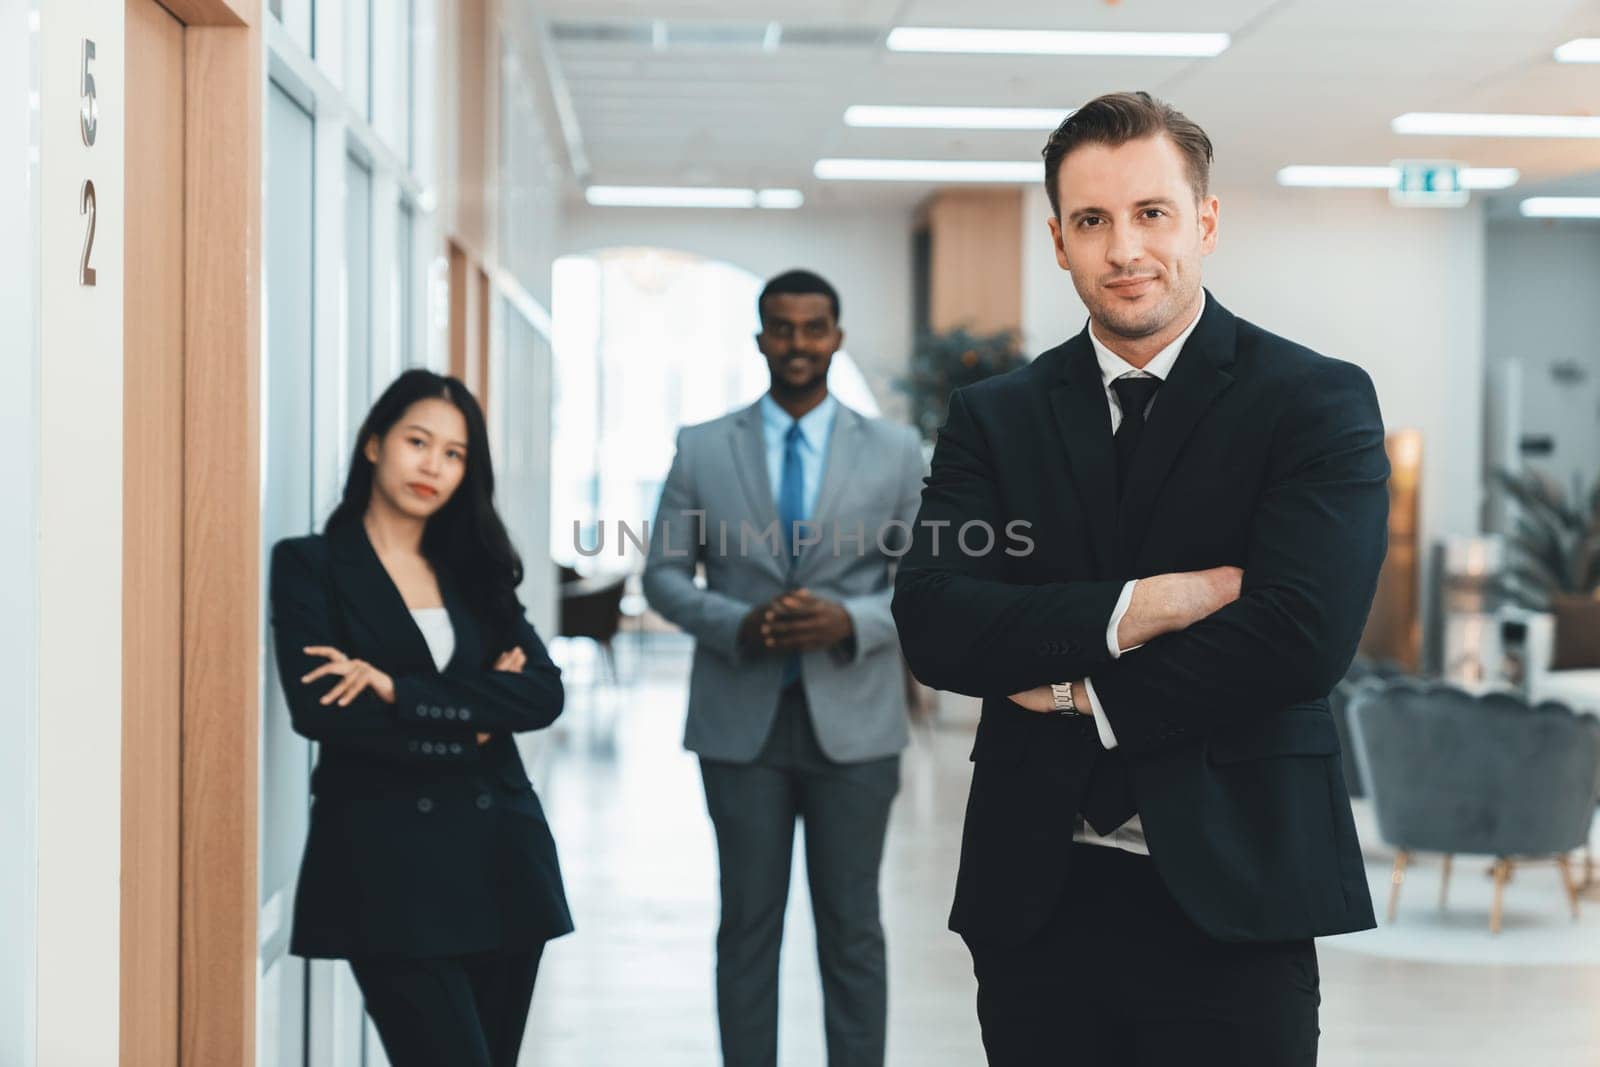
88	125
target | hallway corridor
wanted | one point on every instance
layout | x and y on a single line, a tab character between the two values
633	987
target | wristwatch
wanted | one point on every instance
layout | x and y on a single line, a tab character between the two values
1064	704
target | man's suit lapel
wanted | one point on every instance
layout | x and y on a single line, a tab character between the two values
1078	399
1199	376
750	461
837	463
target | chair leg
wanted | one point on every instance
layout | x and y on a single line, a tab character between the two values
1502	874
1396	877
1568	882
1444	880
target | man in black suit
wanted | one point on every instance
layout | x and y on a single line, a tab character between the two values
1157	826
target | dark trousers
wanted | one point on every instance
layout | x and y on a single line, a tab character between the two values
1119	977
845	809
465	1011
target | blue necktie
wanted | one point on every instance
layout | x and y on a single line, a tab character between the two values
791	509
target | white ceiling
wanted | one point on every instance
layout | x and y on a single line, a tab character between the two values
1305	81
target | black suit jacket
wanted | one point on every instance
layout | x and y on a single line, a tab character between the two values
422	842
1258	453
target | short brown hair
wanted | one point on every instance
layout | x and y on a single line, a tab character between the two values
1116	119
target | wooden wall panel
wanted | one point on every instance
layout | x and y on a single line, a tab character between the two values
222	537
1394	626
975	275
152	524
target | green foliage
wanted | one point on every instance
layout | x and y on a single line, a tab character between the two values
944	362
1554	544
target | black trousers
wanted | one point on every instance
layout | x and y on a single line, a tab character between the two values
845	809
464	1011
1120	977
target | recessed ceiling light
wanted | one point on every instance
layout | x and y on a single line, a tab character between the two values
1453	124
996	172
690	196
1314	177
1579	50
1054	42
1561	207
955	118
781	199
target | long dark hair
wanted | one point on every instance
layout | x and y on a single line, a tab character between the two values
465	537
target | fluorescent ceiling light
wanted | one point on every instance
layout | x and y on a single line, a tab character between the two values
1338	177
1561	207
1307	177
1055	42
781	199
955	118
1579	50
690	196
1452	124
997	172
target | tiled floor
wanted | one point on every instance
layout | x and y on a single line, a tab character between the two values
632	988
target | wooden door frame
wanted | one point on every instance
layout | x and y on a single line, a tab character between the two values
215	826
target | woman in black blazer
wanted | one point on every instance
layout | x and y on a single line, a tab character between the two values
404	653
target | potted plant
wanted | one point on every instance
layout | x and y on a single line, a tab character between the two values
944	362
1553	562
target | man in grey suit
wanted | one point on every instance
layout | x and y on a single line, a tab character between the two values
797	508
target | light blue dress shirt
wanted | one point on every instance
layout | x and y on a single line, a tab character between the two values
816	426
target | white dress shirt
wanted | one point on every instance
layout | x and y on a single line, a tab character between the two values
1130	835
437	632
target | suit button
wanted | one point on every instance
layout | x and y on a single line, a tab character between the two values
455	748
424	805
422	711
450	713
435	712
427	747
465	713
483	801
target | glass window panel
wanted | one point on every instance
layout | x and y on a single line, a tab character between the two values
356	292
358	54
391	75
296	16
286	455
403	279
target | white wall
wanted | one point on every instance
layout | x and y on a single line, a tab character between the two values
1543	280
866	254
80	546
19	545
1398	291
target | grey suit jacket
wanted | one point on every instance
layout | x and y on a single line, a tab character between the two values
715	507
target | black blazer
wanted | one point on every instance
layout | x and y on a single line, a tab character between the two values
422	842
1258	453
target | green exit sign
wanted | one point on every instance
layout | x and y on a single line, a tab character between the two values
1428	183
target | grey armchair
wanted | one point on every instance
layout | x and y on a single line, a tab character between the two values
1450	772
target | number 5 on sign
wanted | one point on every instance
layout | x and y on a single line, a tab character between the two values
89	114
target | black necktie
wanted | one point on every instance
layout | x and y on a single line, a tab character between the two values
1133	396
1108	799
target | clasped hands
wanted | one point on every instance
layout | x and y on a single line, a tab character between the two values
357	675
1161	604
796	621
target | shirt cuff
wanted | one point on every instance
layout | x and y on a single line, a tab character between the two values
1116	619
1102	724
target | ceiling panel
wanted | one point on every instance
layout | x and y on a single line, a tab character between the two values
1306	81
1213	16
